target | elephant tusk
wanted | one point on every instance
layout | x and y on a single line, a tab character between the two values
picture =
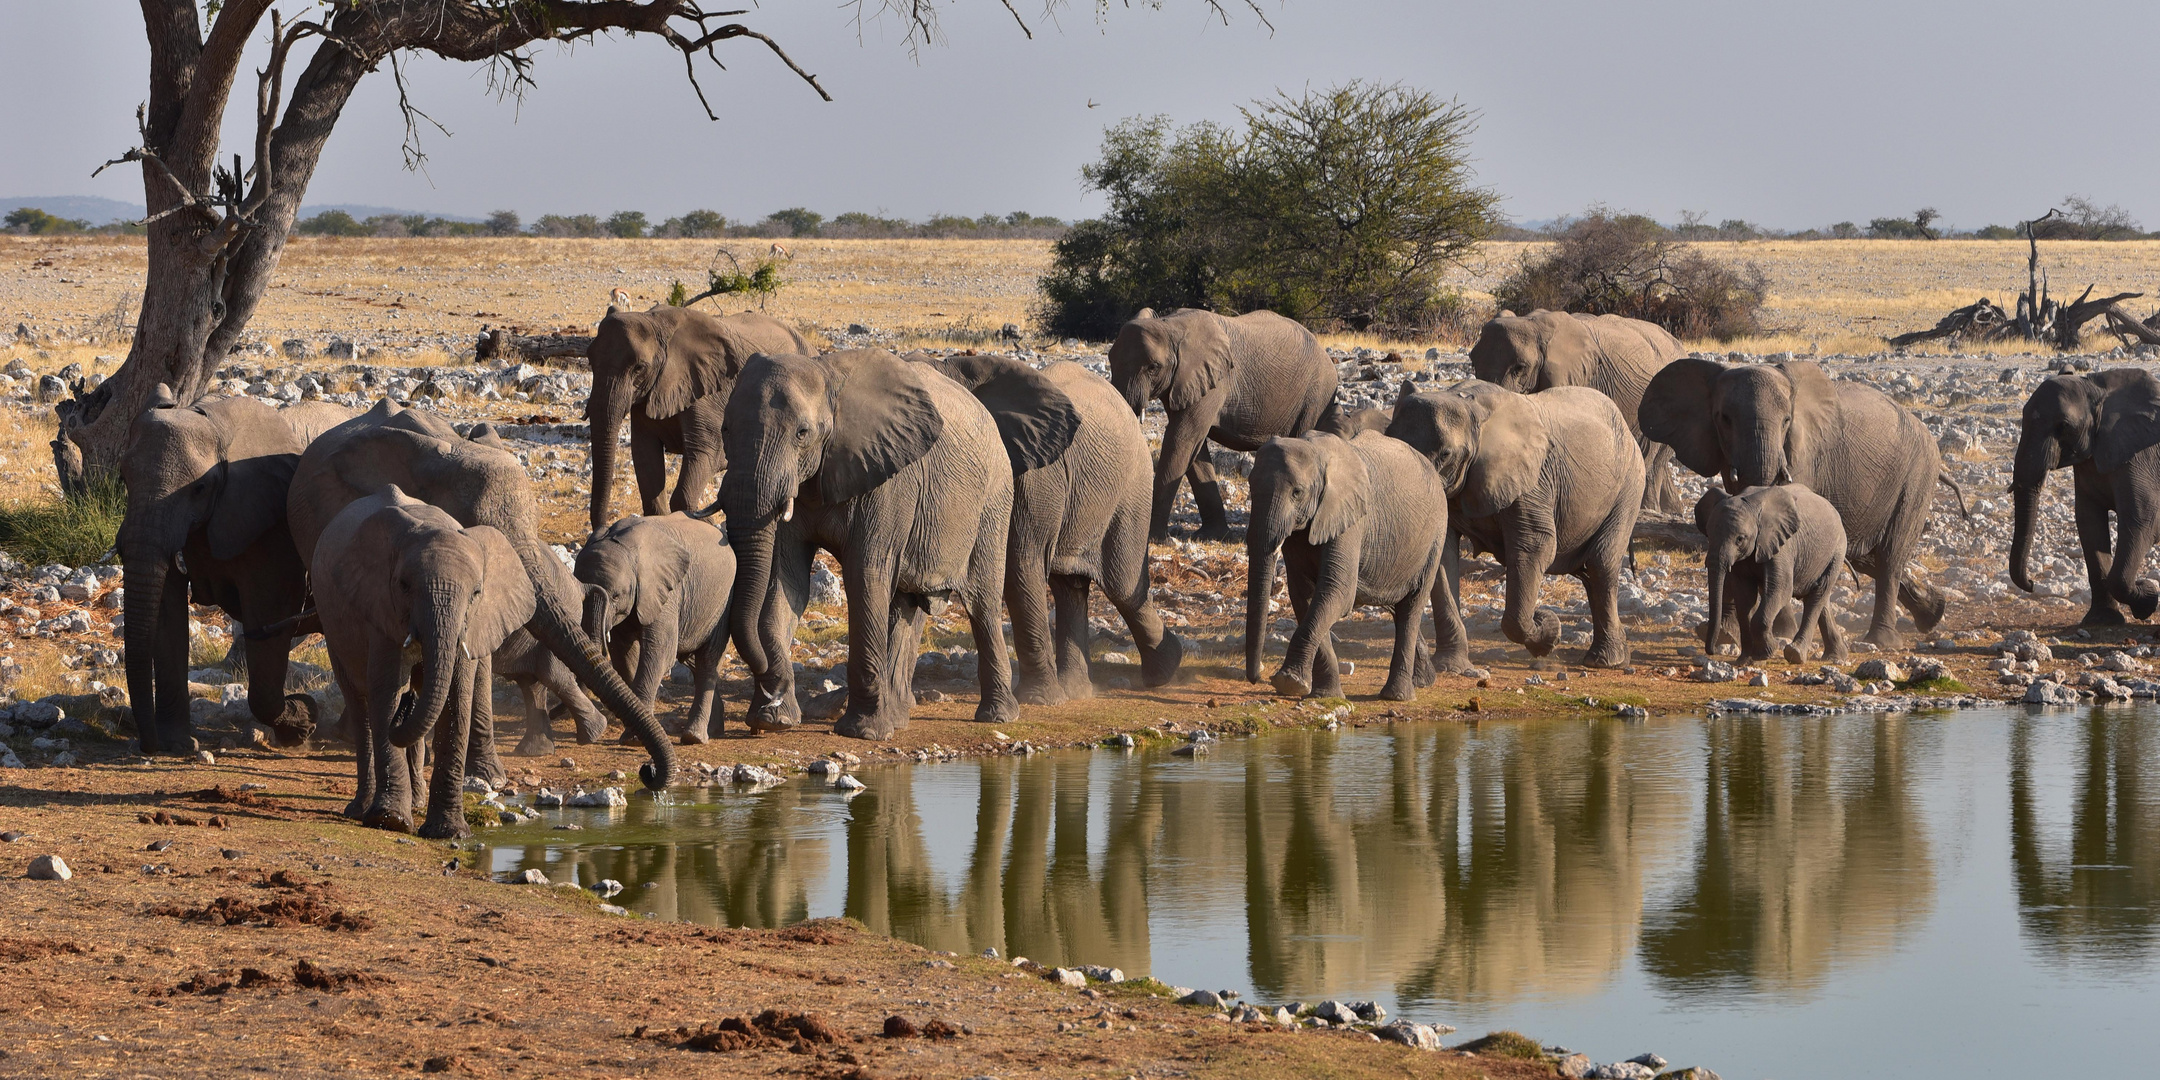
787	513
466	649
408	641
179	562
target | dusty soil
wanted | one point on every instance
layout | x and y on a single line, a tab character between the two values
288	942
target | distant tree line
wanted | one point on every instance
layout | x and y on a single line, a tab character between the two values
792	222
2081	219
30	221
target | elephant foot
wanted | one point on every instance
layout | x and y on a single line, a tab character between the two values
1159	664
357	808
588	735
1794	654
693	737
859	725
534	744
296	723
1884	637
445	827
1043	692
1607	654
993	709
389	818
1289	685
2104	615
1398	690
2143	602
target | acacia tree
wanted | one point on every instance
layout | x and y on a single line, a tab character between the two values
216	230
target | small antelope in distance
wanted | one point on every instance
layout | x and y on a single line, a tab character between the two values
781	251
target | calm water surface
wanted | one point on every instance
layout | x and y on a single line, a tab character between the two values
1775	898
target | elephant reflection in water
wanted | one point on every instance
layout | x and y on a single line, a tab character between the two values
1496	862
1030	888
2098	897
1813	850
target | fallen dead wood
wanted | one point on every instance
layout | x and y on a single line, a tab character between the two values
2039	317
2130	328
1981	318
502	345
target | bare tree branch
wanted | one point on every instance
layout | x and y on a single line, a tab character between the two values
415	158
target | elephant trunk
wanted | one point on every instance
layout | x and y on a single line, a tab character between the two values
1758	459
1135	393
605	413
1719	566
441	631
143	576
753	545
555	624
2027	511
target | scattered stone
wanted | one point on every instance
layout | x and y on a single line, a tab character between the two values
607	887
1098	973
1205	998
760	777
50	868
847	782
533	877
605	797
1623	1070
1572	1066
1712	670
1414	1036
1655	1063
1872	670
2050	692
1063	976
205	757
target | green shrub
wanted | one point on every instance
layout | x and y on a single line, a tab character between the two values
695	225
74	530
331	223
1509	1044
29	219
626	224
794	221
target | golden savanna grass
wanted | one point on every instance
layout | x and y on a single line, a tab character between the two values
1827	296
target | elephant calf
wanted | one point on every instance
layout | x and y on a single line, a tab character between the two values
1767	545
415	597
656	588
1551	482
1362	521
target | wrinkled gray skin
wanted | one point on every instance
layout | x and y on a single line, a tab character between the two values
476	482
1239	382
1754	425
537	673
900	474
1768	545
1350	424
656	588
1550	482
669	371
1081	494
2102	427
1358	521
206	491
417	598
1615	356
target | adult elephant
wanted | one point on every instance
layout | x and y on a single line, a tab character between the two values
477	482
1548	482
205	518
1081	496
1613	355
668	372
2102	427
900	474
1239	382
1755	425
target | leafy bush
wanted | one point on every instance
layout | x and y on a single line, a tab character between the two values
2080	218
75	530
695	225
626	224
36	222
761	280
331	223
1340	206
561	225
793	221
504	223
1627	264
1920	226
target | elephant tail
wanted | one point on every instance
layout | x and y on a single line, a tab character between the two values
1944	479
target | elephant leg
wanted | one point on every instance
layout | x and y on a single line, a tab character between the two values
2092	531
1401	682
1882	626
1071	637
870	603
538	740
694	478
1758	631
1528	541
1207	495
290	719
365	779
1125	584
1302	569
1041	650
648	459
1833	636
385	699
481	758
1451	639
1608	635
175	724
2135	532
1812	606
455	733
1746	591
1183	437
706	717
590	721
995	703
656	644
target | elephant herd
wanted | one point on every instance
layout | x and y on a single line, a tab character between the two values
414	547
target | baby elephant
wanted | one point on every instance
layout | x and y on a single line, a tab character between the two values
538	673
1768	545
407	595
1359	521
657	589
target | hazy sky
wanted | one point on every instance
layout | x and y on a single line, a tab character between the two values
1792	115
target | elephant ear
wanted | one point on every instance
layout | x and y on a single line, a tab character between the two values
1777	518
1512	445
1707	508
1201	357
161	397
884	419
697	355
1035	420
659	575
2128	424
1676	411
250	502
1814	420
485	434
1144	313
1345	488
506	602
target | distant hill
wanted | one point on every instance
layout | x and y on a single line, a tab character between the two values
102	211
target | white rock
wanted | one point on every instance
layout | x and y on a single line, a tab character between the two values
50	868
761	777
205	757
607	796
532	877
849	783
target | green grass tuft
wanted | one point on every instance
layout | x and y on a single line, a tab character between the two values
74	530
1942	685
1512	1044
